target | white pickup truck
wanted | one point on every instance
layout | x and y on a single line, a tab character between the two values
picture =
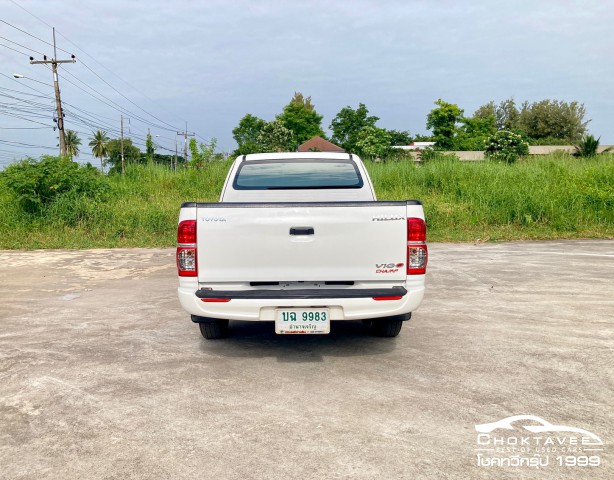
299	239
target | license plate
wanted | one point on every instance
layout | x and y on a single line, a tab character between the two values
302	321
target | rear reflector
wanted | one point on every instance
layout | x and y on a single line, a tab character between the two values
381	299
186	262
215	300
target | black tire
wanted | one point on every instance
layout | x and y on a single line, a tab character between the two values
386	327
212	330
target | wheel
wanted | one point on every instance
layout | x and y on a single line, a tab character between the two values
214	329
386	327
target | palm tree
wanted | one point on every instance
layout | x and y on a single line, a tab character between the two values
72	142
588	147
99	146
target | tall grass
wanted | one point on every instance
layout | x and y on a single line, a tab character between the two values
537	198
140	209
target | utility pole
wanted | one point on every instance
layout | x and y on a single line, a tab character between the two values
56	86
175	154
121	142
185	141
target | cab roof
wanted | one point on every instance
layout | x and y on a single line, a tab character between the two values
296	155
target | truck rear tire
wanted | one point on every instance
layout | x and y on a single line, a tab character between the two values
386	327
214	329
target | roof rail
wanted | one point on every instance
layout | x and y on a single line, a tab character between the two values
351	158
243	159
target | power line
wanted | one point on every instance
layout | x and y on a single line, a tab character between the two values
27	145
80	49
173	128
34	36
6	46
97	94
24	128
23	84
29	12
22	118
114	105
142	109
22	46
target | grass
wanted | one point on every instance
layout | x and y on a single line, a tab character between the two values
550	197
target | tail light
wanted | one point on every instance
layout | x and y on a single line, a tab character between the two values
417	253
187	264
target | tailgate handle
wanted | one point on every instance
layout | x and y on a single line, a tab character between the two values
302	231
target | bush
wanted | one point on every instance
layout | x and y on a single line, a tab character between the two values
38	183
506	146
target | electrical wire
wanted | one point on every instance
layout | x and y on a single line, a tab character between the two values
34	36
22	118
98	63
10	48
27	145
25	85
22	46
92	123
24	128
112	87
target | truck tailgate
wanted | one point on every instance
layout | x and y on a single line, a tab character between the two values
341	241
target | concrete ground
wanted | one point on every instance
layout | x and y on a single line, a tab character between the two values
103	376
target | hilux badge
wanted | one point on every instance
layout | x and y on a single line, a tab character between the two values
387	218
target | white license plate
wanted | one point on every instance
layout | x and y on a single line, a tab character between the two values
302	321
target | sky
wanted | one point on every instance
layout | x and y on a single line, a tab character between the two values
210	62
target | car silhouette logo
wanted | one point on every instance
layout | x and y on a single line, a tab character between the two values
544	426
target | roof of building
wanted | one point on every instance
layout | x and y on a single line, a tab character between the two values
318	144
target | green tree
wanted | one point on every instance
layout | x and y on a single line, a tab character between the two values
167	160
301	118
99	143
442	120
505	115
275	137
132	154
246	134
373	142
73	142
150	148
473	133
201	153
553	119
488	110
348	123
399	138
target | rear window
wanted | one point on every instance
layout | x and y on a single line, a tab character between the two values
297	174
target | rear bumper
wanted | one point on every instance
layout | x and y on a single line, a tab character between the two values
302	294
261	305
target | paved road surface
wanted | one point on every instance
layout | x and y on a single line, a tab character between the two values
102	376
